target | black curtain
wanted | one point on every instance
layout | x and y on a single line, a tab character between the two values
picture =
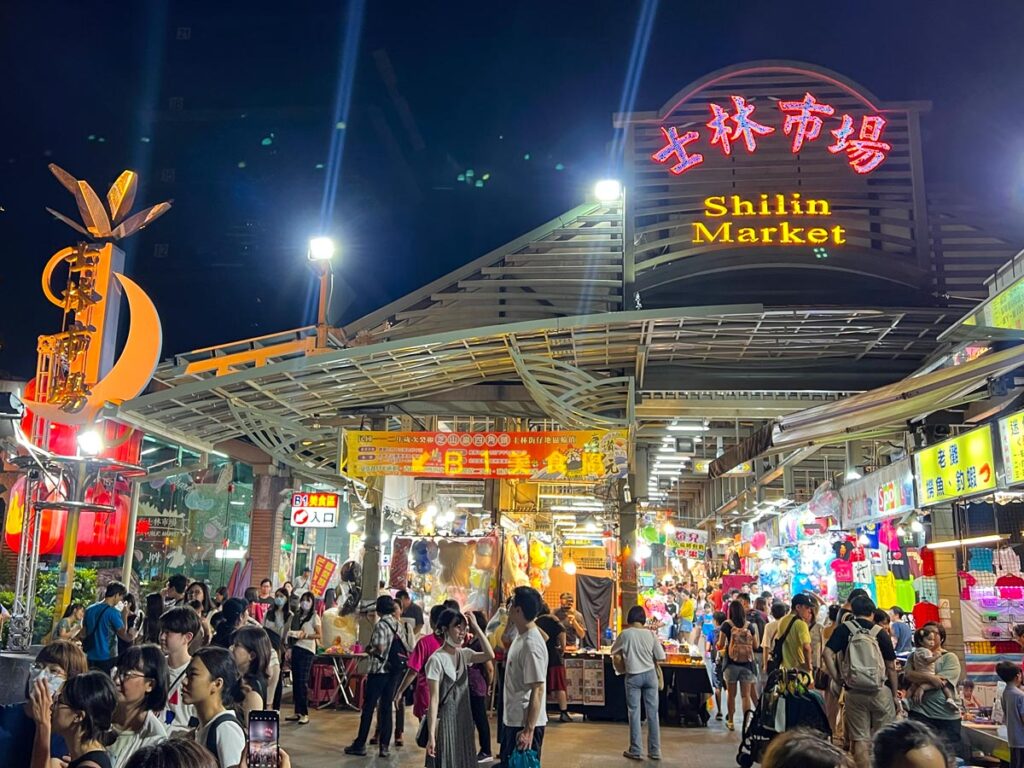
594	601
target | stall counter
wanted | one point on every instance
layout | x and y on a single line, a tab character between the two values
597	693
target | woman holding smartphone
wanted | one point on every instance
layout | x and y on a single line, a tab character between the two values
211	676
450	739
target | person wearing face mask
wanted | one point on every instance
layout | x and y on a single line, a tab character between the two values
103	623
450	739
277	622
141	682
380	682
56	662
82	712
303	636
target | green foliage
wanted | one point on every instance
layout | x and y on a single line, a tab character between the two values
83	591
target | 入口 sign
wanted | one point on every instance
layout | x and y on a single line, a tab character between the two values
774	211
315	510
961	466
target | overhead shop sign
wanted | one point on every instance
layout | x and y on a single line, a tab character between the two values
701	466
689	543
857	138
579	456
315	510
1011	441
884	493
1005	310
768	220
961	466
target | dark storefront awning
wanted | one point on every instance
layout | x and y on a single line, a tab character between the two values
860	415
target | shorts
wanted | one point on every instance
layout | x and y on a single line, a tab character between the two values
556	679
867	712
738	673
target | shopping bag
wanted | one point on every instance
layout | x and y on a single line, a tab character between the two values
526	758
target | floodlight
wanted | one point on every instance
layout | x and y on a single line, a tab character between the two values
608	190
321	249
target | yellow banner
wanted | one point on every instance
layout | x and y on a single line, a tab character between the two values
1011	439
961	466
581	456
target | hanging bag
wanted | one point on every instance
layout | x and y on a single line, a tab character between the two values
423	731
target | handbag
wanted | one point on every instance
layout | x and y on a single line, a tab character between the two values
661	676
423	731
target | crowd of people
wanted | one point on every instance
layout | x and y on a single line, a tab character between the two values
871	668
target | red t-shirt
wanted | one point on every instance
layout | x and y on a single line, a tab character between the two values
925	613
425	648
927	562
715	598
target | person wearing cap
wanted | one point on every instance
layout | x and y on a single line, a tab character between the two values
794	633
572	620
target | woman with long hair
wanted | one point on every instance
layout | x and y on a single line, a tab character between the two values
251	650
151	624
198	596
449	741
211	676
277	622
81	713
141	683
71	623
738	643
303	637
641	651
230	618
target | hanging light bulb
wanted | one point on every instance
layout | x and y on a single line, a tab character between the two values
352	526
916	526
670	530
863	540
569	567
643	551
901	531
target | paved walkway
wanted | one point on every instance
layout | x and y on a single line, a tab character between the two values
566	745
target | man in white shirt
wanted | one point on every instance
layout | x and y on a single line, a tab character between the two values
524	702
302	583
177	628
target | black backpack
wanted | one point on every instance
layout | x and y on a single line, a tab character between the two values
398	655
89	637
217	722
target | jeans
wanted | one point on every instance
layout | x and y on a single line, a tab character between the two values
302	662
380	689
643	685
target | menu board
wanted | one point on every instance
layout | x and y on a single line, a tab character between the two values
584	681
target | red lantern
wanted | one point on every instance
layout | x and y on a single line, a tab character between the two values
53	521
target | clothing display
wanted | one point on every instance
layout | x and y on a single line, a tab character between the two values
927	588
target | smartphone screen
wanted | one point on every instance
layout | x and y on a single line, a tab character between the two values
263	735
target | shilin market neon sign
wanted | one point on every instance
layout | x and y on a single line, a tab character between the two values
736	126
746	222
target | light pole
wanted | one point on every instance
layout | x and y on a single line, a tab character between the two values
321	252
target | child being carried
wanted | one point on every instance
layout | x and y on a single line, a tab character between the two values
922	659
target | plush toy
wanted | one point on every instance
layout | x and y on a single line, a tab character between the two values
485	554
422	563
514	574
456	558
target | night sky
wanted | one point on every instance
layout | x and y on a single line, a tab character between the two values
229	109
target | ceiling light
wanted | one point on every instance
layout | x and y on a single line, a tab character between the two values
990	539
688	427
569	567
352	526
90	443
916	526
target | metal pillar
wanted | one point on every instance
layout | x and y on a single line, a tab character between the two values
371	567
129	549
23	611
66	578
322	323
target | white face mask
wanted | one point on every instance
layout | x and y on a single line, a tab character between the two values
305	605
451	642
120	606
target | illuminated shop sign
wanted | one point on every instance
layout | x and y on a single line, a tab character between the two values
743	220
802	121
1011	440
961	466
315	510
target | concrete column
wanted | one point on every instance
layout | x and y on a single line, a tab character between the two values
266	524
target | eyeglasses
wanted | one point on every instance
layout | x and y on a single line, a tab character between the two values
119	675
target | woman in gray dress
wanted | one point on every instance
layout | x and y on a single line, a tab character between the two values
450	742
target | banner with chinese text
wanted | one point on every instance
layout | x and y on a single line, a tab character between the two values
1011	439
961	466
886	492
581	456
323	571
690	543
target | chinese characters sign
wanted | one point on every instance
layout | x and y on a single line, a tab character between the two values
688	542
315	510
735	126
584	456
961	466
323	570
1011	439
1004	310
884	493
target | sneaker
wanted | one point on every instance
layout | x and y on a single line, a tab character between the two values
565	717
399	741
632	755
729	724
292	718
304	720
352	749
654	756
718	716
484	757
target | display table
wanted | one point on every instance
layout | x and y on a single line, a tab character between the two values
597	693
986	739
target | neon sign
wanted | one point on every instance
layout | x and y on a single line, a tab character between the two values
781	232
803	123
